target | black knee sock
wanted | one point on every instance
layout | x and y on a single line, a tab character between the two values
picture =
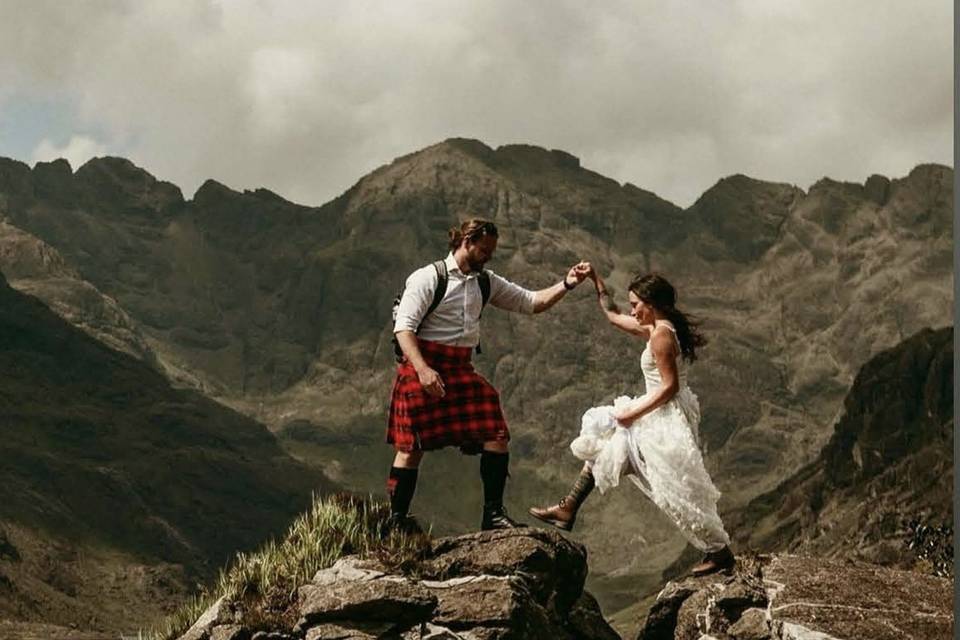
493	471
401	484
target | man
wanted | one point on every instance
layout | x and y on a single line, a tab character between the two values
438	399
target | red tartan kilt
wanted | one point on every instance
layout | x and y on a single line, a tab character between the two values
466	416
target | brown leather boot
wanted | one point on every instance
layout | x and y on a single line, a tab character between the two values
564	514
715	561
561	515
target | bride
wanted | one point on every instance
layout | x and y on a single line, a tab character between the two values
653	438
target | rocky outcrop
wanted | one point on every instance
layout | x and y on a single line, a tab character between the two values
900	402
34	267
120	184
889	461
788	597
520	584
744	215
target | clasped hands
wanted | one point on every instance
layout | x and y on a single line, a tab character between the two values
578	273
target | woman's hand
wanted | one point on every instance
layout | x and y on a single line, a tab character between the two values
624	418
578	273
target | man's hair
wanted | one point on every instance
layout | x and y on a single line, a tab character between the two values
471	230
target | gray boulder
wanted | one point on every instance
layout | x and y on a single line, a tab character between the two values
553	568
803	598
523	584
219	613
348	592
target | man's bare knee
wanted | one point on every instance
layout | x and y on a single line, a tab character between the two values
496	446
407	459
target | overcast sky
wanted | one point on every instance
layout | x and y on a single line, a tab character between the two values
304	100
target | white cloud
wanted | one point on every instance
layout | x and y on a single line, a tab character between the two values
76	151
278	86
304	98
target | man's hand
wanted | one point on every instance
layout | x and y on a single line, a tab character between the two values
431	382
578	272
546	298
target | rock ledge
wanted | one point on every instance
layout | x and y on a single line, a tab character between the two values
518	584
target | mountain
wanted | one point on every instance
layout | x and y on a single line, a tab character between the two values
34	267
118	492
886	471
281	311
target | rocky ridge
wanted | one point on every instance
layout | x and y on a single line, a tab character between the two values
523	584
32	266
529	585
788	597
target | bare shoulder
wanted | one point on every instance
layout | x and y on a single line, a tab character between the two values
662	340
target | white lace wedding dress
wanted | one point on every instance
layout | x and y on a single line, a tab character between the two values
660	453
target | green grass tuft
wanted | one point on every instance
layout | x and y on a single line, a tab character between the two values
264	583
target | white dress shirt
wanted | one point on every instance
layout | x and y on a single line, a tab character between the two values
456	320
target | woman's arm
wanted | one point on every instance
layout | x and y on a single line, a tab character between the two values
665	353
622	321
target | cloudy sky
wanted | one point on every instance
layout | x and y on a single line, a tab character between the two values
306	97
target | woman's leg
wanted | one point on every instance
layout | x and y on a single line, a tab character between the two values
564	514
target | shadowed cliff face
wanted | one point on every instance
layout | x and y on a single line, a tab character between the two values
111	478
282	311
889	461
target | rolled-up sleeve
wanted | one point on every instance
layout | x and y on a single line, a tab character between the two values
509	296
416	299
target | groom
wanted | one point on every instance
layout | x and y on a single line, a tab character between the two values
438	399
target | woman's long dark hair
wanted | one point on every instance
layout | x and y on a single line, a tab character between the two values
654	289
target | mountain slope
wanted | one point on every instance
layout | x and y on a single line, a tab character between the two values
34	267
282	311
113	481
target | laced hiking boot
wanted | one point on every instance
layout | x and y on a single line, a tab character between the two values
564	514
561	515
722	560
495	517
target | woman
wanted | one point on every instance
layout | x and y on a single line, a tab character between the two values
652	439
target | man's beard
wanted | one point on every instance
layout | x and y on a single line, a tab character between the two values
475	265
